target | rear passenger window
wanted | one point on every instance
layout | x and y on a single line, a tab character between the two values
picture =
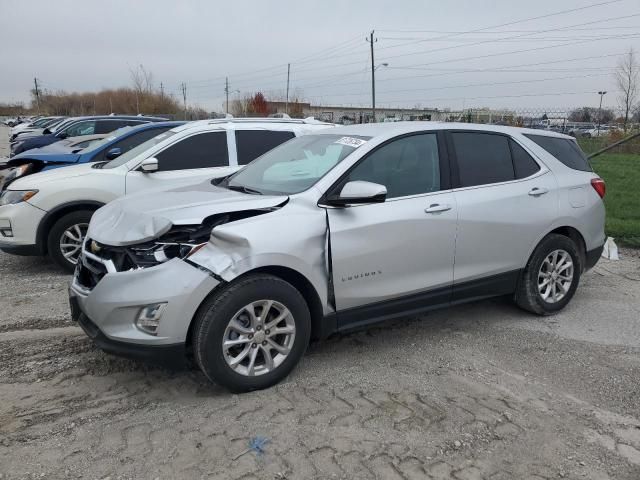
482	158
564	150
523	164
198	151
253	143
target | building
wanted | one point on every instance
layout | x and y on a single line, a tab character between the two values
349	115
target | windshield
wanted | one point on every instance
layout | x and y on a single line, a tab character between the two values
134	152
295	165
112	136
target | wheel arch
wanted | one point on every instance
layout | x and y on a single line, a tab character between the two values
56	214
567	231
289	275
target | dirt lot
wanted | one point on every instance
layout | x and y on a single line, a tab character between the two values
480	391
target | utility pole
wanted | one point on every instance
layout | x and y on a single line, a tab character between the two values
110	105
35	82
183	86
161	91
286	105
601	93
371	41
226	92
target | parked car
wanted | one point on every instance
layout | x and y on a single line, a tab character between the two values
30	132
81	126
35	123
333	231
49	212
65	154
601	131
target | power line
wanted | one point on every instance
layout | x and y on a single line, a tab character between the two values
516	36
489	84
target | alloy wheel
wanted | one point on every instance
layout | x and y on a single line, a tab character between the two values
71	242
555	276
258	338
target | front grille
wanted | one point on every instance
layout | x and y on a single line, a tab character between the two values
90	272
92	268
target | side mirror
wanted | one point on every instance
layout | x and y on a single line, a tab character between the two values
149	165
359	192
46	131
115	152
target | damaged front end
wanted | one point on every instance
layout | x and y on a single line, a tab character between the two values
179	242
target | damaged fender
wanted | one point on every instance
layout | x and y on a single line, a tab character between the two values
292	238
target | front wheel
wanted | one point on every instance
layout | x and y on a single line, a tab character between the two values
551	277
64	243
251	334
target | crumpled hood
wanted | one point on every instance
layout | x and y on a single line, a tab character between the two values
142	217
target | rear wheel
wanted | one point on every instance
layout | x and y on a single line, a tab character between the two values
251	334
551	277
64	243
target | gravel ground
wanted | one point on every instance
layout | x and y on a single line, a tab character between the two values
479	391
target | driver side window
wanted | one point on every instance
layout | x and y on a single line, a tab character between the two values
407	166
81	128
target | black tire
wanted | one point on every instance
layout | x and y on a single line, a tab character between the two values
527	294
216	312
56	232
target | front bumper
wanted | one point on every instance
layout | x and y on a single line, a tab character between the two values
19	227
108	310
169	356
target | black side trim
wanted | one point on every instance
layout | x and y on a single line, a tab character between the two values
169	356
358	317
592	257
486	287
380	311
23	250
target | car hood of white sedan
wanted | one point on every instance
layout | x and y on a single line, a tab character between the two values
142	217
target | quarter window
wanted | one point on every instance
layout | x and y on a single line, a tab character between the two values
203	150
482	158
253	143
407	166
565	150
524	165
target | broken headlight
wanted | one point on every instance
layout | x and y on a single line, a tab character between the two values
160	252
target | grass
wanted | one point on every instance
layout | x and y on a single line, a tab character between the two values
621	172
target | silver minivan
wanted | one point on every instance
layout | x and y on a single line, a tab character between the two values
333	231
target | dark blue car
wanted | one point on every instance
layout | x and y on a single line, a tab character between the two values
81	126
119	142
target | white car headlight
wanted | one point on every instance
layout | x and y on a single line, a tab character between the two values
11	197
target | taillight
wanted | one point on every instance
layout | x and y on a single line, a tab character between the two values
599	186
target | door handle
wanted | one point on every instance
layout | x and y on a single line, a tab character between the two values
537	191
436	207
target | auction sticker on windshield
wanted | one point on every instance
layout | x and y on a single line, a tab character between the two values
351	141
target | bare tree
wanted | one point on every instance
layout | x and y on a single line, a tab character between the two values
627	82
142	79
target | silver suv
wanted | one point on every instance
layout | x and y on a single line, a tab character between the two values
333	231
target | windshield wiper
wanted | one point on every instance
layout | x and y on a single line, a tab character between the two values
243	189
99	165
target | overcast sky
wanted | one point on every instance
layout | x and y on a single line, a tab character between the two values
87	45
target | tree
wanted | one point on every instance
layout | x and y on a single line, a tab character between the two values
257	106
627	81
590	114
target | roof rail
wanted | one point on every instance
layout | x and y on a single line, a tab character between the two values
308	120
